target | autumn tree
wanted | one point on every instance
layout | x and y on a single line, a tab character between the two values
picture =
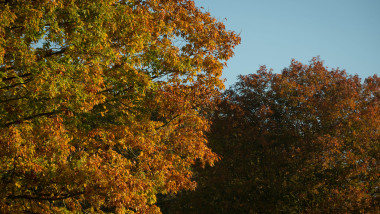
306	140
103	103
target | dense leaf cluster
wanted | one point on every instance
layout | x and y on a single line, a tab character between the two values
107	105
306	140
102	102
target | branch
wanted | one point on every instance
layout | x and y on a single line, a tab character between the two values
10	78
53	53
21	83
6	68
11	99
61	24
29	74
46	197
30	117
167	123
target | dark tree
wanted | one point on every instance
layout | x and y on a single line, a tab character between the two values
303	141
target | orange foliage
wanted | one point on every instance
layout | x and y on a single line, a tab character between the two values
306	140
100	102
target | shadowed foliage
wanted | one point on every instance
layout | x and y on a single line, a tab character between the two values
306	140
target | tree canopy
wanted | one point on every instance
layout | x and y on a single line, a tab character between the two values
306	140
104	103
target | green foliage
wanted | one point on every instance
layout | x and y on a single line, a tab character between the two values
100	102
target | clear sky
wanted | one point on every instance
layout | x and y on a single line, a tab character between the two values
344	33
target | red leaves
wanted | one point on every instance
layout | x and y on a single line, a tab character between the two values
304	141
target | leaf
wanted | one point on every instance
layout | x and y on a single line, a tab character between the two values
84	88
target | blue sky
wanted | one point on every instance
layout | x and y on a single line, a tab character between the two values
344	33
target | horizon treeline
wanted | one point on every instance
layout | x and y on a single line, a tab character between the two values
118	106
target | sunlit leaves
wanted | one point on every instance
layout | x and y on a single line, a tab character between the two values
101	107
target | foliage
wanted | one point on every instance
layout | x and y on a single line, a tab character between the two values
103	103
303	141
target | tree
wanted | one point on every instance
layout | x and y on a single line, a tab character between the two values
303	141
104	103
